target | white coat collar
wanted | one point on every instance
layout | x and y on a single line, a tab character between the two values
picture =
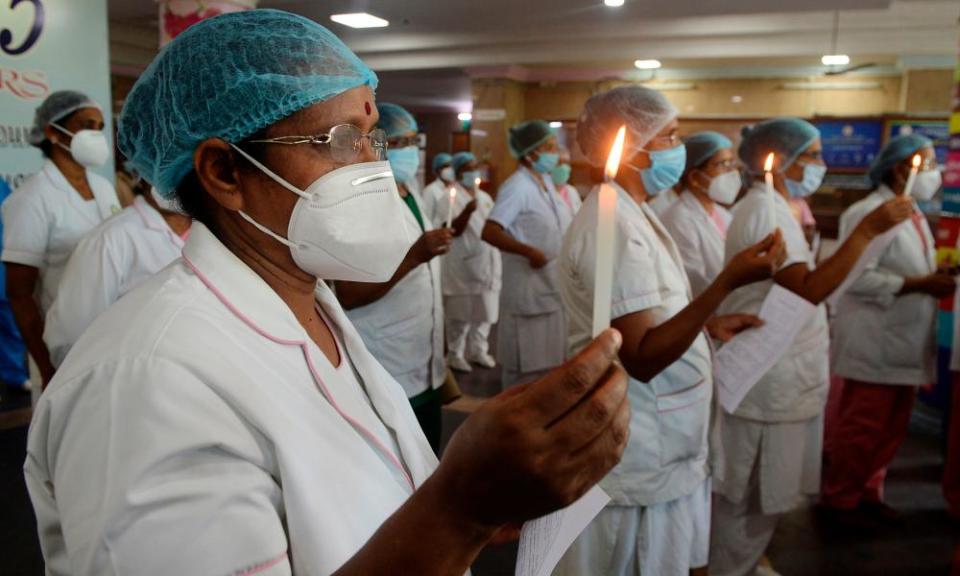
153	220
106	206
691	201
247	296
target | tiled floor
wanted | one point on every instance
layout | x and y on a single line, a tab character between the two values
926	545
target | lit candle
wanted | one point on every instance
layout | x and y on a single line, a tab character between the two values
476	185
606	227
453	199
908	189
771	191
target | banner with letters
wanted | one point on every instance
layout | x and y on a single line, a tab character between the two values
45	46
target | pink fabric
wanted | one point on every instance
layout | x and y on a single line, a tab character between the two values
718	221
918	223
873	421
831	414
801	210
565	194
951	473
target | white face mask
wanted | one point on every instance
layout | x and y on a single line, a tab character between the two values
447	174
348	225
88	147
927	184
725	187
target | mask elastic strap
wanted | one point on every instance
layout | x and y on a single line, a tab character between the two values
266	230
273	175
64	131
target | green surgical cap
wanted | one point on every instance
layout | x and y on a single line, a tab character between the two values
787	138
441	160
229	77
461	159
702	146
895	152
526	136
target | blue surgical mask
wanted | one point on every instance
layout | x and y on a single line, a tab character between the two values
666	168
812	179
561	174
469	179
546	162
404	162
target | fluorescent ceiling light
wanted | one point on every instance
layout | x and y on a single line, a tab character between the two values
835	60
832	86
613	3
647	64
359	20
556	124
464	116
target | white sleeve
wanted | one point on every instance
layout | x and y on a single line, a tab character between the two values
26	229
876	284
511	201
684	234
90	283
635	283
152	473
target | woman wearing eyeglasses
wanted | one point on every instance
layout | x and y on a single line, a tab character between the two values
401	320
698	221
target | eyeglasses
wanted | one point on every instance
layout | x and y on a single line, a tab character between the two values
345	142
815	156
665	141
403	142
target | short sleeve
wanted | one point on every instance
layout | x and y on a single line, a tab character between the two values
26	229
151	472
751	225
511	201
635	283
684	234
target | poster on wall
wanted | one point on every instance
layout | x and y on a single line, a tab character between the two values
936	130
45	46
850	144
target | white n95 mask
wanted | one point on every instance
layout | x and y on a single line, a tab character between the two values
88	147
447	174
927	184
725	187
348	225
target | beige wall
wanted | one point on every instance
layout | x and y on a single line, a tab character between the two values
492	148
928	90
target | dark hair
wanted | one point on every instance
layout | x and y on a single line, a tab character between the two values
46	148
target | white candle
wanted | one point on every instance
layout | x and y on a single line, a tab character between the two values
476	184
771	192
453	199
606	227
908	189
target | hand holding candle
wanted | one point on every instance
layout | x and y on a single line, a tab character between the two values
606	228
771	191
908	188
453	199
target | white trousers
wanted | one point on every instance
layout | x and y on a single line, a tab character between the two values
467	339
740	536
666	539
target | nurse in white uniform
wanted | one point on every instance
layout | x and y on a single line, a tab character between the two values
770	448
52	210
527	225
401	320
472	272
225	417
884	336
658	521
437	191
109	262
698	221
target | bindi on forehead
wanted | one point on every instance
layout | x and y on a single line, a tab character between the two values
368	108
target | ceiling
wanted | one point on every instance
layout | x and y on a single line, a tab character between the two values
433	47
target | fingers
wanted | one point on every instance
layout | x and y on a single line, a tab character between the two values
604	451
591	417
559	391
744	321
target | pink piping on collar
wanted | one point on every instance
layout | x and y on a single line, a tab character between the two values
360	428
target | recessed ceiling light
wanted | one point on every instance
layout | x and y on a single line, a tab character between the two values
835	60
359	20
647	64
613	3
556	124
464	116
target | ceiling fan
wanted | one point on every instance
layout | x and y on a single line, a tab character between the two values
839	70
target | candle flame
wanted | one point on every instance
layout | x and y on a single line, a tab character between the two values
453	193
616	152
916	160
476	182
768	165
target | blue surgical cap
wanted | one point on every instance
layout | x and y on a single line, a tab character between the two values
644	111
461	159
56	107
895	152
787	138
229	77
702	146
395	120
441	160
526	136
